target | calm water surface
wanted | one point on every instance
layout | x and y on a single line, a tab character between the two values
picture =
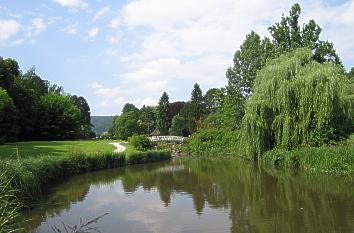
200	196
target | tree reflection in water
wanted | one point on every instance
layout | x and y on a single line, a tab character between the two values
257	199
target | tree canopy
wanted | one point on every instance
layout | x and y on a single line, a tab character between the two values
297	101
39	110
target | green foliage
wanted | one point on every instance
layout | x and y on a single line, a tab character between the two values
233	109
32	176
8	118
31	95
179	126
141	142
350	74
295	101
250	58
133	121
26	100
214	99
60	118
254	52
214	120
194	110
288	35
9	70
85	116
197	103
126	125
213	142
163	120
332	159
9	205
129	108
147	119
139	157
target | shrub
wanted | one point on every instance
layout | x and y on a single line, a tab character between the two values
213	142
138	157
141	142
334	159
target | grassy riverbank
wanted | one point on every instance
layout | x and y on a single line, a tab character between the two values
39	148
337	158
330	159
27	178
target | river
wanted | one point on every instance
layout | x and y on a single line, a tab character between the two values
199	195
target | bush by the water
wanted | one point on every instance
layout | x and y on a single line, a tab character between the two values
213	142
139	157
141	142
338	159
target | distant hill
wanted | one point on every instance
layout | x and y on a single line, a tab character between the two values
101	124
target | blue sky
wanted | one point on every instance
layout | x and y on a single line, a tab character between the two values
113	52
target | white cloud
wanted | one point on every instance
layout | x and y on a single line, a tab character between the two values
72	3
93	32
155	69
172	44
144	101
70	29
105	103
101	13
115	23
8	29
38	25
112	39
119	100
95	85
108	92
112	53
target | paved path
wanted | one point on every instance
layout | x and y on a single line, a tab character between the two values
119	147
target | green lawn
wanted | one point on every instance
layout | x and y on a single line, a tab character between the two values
38	148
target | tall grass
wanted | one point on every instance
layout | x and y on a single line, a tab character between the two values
33	175
330	159
9	205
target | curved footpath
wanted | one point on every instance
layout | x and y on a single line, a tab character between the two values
120	147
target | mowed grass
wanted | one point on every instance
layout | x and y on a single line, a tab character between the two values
39	148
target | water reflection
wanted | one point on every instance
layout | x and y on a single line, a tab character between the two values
201	196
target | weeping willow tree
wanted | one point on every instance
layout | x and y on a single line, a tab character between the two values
297	101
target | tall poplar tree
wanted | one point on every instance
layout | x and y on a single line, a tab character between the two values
163	120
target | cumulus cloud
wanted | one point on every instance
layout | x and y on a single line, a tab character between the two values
95	85
113	53
72	3
8	29
112	39
38	25
93	32
70	29
144	101
195	39
169	45
101	13
115	23
155	69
